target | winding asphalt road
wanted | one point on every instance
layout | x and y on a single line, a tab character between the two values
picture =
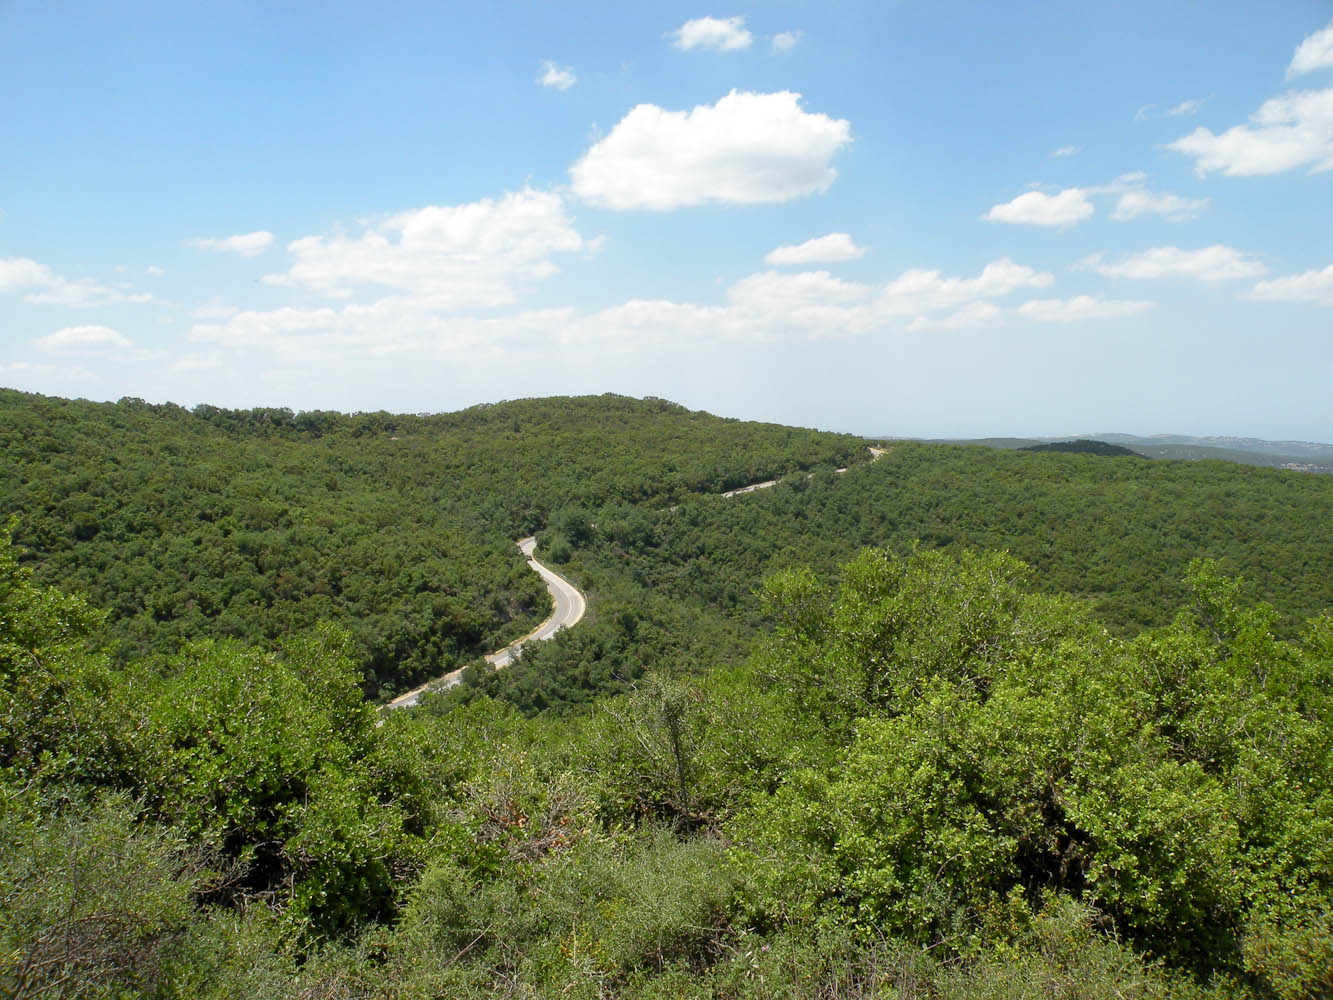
570	605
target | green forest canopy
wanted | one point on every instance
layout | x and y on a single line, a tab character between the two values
249	524
771	762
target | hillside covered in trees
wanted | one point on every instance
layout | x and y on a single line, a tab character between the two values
952	723
248	524
679	587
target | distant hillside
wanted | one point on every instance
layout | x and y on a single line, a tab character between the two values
1119	534
1197	453
210	523
1307	451
1294	456
1085	447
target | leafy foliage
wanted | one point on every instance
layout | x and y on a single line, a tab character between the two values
252	524
998	744
934	775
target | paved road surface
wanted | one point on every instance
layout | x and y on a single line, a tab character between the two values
569	608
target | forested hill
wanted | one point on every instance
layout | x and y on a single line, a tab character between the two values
679	587
1083	446
251	523
823	739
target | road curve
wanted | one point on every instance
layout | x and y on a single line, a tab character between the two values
570	605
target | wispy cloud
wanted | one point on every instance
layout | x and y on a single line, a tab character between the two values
1214	263
41	286
214	309
1151	112
28	373
244	244
1080	308
768	306
784	42
557	77
828	249
1135	203
972	316
1312	286
1185	108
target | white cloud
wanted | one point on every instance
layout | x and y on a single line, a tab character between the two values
768	306
785	41
828	249
1214	263
1069	207
245	244
153	271
1079	308
1294	130
43	287
1312	286
972	315
214	309
83	292
561	78
782	292
94	340
1138	202
1124	182
810	305
85	339
920	291
1316	52
1065	151
398	331
745	149
1182	110
196	361
475	255
725	34
1185	108
25	373
280	329
18	273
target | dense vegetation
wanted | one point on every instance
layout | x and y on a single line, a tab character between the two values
772	762
678	589
1085	447
930	778
251	524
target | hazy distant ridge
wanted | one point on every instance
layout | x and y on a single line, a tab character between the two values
1298	456
1309	450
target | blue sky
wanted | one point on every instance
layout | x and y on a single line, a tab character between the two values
929	219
